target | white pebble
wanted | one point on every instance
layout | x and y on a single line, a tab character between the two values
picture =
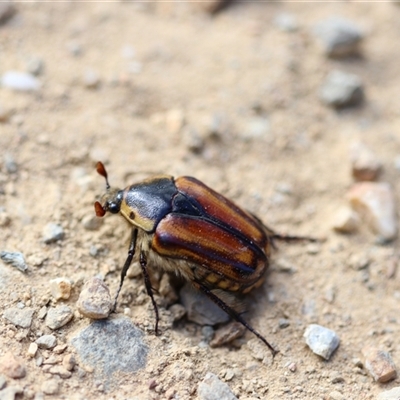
321	340
60	288
365	164
345	220
20	81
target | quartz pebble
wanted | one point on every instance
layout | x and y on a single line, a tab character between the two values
33	348
46	341
364	163
345	220
212	388
58	316
95	300
16	259
91	79
227	334
20	81
52	233
375	202
21	317
341	89
379	364
321	340
339	37
60	288
12	367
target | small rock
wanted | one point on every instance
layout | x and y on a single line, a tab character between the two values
193	140
375	202
52	233
20	81
69	362
12	367
284	265
174	120
227	334
16	259
33	348
200	309
392	394
58	316
213	6
35	66
11	393
321	340
50	387
178	311
341	89
283	323
46	341
358	261
60	288
95	300
345	220
212	388
60	371
7	10
5	113
364	162
336	395
92	223
255	128
60	348
339	37
10	163
379	364
91	79
19	317
286	22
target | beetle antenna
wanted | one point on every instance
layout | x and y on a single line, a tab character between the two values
101	170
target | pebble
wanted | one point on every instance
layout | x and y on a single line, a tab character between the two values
35	66
283	323
58	316
95	300
212	388
11	392
174	120
50	387
5	113
379	364
91	79
46	341
227	334
92	223
16	259
178	311
69	362
60	288
286	22
341	89
32	350
212	6
110	346
10	163
61	371
20	81
375	202
255	128
339	37
392	394
345	220
321	340
12	367
7	10
336	395
52	233
200	309
364	163
21	317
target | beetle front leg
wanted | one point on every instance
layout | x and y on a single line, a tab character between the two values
232	313
128	262
147	283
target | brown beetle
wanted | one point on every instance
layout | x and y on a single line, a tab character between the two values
184	227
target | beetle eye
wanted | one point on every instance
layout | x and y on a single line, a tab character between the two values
113	208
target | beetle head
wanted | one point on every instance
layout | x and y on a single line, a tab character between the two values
111	200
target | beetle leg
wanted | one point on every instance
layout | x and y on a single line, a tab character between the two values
131	253
231	312
147	283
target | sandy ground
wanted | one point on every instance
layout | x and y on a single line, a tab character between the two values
166	88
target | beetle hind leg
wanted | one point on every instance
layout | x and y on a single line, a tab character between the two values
232	313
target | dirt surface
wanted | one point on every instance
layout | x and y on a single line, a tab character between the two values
167	88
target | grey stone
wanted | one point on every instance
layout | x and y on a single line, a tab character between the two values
111	346
200	308
20	81
16	259
52	232
341	89
46	341
58	316
321	340
19	317
212	388
339	37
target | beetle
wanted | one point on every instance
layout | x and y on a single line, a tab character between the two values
182	226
